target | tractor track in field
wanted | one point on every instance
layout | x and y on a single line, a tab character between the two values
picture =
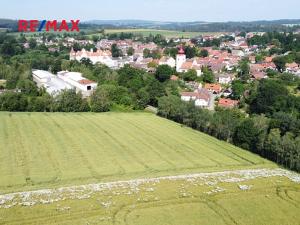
123	147
47	196
182	154
79	149
149	146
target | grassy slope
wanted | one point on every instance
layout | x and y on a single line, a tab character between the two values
43	149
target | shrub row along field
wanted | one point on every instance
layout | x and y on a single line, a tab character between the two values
41	151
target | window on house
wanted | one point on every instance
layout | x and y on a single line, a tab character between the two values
89	88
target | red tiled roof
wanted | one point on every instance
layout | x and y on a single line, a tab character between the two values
200	94
259	75
213	87
204	94
268	59
227	103
173	77
86	81
187	65
181	51
189	94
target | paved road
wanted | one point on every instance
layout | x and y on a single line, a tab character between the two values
211	105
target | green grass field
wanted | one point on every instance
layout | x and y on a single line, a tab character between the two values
144	32
165	33
52	150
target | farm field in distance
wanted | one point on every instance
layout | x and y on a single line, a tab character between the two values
165	33
144	32
66	168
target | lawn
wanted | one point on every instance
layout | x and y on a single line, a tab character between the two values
73	161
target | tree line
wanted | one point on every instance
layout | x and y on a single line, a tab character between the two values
270	127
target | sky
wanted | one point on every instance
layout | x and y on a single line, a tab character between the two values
156	10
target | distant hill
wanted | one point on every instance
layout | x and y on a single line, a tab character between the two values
9	24
201	26
195	26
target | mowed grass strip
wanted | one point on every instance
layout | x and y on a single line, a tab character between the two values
39	150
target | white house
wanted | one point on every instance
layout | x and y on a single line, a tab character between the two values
200	97
167	61
225	78
203	98
237	52
190	64
293	68
189	96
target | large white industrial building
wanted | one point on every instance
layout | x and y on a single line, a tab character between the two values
63	81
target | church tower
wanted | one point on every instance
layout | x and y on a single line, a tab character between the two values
180	59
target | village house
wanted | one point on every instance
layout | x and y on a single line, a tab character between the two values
227	103
213	88
139	65
238	52
201	97
260	67
225	78
105	44
268	59
218	60
191	65
293	68
258	75
165	60
189	96
252	59
194	85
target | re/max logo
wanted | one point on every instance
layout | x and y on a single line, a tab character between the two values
49	25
